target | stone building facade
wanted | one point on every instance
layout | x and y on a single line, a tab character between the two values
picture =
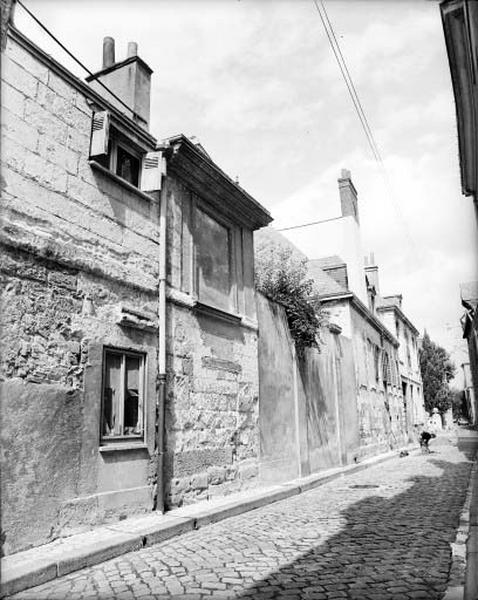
391	313
129	351
380	406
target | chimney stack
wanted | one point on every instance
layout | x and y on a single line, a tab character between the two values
129	80
371	271
108	52
132	49
348	195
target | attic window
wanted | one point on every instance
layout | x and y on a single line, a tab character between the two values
117	154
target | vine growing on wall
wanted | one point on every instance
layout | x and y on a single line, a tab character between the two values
281	275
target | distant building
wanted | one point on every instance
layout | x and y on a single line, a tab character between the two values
390	311
469	322
362	280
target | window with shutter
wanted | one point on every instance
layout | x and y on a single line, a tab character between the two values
116	153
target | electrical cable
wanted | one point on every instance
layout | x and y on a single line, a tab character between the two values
311	223
339	57
71	55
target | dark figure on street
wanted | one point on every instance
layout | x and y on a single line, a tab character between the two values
424	440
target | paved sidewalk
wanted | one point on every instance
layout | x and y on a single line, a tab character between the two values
384	533
33	567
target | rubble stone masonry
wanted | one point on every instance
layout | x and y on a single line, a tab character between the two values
76	247
212	407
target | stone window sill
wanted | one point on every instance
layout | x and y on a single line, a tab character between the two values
123	446
217	313
126	184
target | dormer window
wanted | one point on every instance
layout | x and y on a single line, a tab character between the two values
120	156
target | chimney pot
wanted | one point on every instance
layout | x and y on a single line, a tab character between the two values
345	174
108	52
132	49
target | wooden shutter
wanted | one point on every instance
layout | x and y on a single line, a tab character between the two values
100	134
152	171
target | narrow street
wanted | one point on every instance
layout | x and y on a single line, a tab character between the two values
383	533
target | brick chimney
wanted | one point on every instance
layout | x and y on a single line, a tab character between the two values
348	195
371	271
129	79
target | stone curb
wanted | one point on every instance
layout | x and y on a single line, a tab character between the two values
471	575
464	549
42	564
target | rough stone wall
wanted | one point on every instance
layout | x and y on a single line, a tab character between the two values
76	246
212	436
381	411
53	201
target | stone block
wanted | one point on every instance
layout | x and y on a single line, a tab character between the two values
46	173
57	153
28	62
19	78
17	129
62	87
199	481
45	121
63	279
78	141
216	475
12	99
248	471
13	154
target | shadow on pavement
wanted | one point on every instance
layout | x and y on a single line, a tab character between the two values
389	547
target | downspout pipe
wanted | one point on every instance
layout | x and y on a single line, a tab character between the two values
161	397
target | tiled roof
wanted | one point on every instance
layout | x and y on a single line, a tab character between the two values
325	285
329	262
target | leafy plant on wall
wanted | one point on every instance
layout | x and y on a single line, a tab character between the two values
281	275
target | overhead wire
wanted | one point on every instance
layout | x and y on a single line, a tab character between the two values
71	55
309	224
342	64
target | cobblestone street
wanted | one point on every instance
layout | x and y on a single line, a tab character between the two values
383	533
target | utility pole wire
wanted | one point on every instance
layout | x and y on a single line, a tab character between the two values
71	55
339	57
309	224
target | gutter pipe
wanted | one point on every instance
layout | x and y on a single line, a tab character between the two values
161	397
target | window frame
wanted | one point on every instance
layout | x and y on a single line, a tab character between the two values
139	439
231	228
116	142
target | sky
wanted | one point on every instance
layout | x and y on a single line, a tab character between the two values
255	81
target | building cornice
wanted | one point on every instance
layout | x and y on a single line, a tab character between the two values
125	123
401	314
209	182
363	310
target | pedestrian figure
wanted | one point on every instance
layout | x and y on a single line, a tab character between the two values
424	440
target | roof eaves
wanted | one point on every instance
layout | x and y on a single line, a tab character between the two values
255	210
129	125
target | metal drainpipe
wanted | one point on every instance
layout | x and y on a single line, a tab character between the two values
160	433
